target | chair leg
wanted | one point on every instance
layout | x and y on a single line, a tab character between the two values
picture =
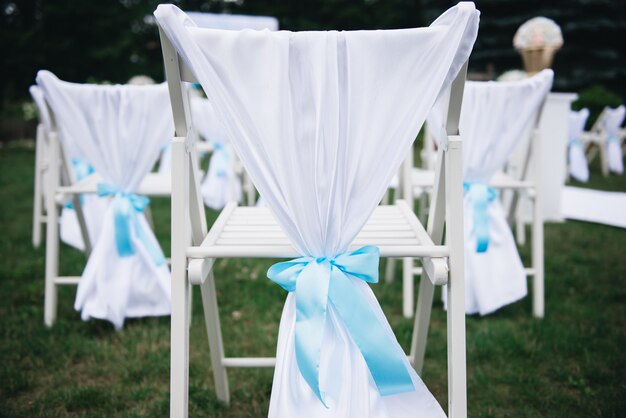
38	198
52	236
179	334
457	372
537	261
214	333
422	323
604	159
407	287
520	227
390	270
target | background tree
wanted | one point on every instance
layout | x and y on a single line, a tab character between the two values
112	40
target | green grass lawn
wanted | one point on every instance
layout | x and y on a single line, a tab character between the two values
570	364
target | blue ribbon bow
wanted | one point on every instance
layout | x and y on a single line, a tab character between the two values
319	280
125	207
481	196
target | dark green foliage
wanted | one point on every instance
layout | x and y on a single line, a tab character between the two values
113	40
593	31
595	99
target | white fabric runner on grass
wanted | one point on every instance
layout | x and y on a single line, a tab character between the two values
597	206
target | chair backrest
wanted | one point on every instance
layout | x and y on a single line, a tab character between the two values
118	129
290	148
495	119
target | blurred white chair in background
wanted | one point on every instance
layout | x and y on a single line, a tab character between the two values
119	129
496	119
577	162
605	138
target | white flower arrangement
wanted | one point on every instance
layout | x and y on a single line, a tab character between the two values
538	32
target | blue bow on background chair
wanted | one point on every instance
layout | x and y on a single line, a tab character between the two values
316	281
125	207
222	159
82	169
481	196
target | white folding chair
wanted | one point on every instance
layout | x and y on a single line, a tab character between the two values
120	128
494	121
283	179
576	162
605	138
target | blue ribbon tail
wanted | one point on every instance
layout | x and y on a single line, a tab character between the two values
481	196
384	360
150	244
122	213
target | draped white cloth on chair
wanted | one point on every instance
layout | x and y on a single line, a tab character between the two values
93	207
578	167
612	122
221	183
322	122
494	119
121	129
233	22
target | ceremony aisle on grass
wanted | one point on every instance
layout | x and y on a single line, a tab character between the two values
570	364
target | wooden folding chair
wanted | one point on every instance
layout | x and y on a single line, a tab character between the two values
242	232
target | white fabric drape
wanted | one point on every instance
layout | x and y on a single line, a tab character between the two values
578	167
494	119
322	122
221	184
233	22
93	207
612	123
121	130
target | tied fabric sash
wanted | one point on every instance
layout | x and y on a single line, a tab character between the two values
481	196
125	208
316	281
612	138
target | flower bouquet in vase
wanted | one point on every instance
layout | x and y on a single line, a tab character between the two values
537	40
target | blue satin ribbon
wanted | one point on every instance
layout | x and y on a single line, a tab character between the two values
316	281
125	207
221	160
81	169
612	138
481	196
